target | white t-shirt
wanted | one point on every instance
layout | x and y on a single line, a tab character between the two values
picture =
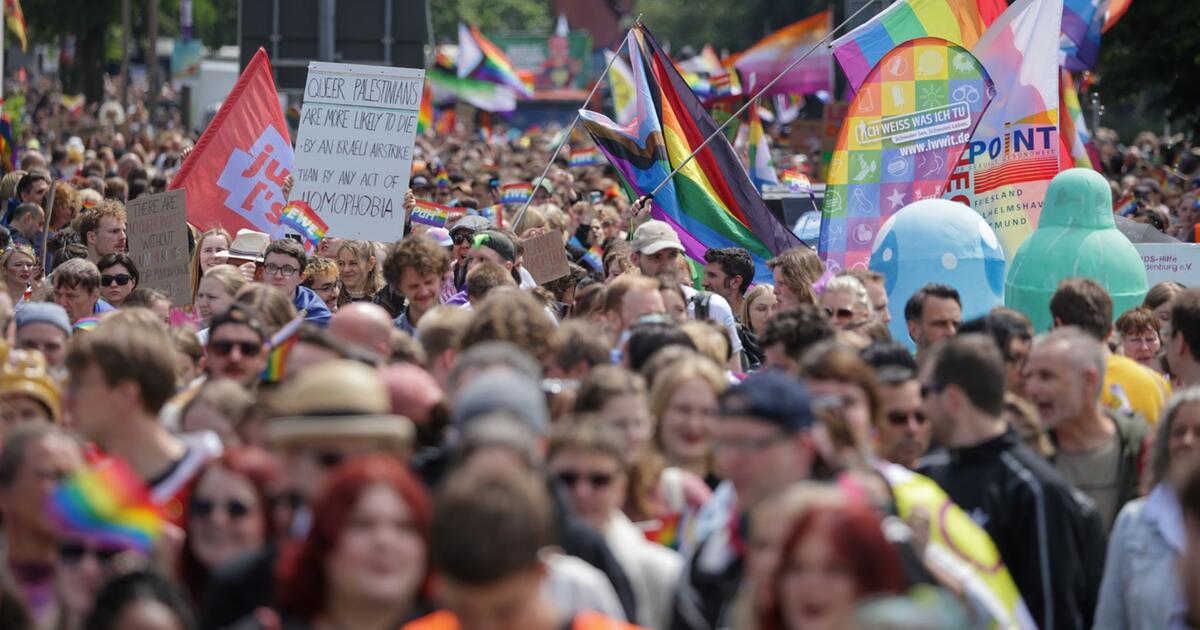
718	311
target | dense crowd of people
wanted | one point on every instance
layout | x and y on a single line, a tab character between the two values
640	442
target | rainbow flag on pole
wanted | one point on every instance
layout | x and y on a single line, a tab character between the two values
301	217
711	202
479	58
762	169
796	181
1082	24
429	213
1074	132
108	504
960	22
774	53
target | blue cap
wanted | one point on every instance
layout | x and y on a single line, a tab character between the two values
772	396
45	313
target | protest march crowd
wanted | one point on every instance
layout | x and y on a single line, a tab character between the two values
546	416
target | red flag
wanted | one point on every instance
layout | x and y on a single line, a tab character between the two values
234	177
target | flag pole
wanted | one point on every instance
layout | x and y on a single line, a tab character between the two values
753	98
567	131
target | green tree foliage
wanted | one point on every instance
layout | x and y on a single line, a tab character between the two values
1151	61
489	15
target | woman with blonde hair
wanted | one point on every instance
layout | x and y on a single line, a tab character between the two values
359	270
207	255
796	271
684	401
18	263
216	293
270	304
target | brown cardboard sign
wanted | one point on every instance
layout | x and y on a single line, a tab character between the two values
158	243
545	257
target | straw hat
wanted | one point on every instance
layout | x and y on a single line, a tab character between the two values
26	373
337	399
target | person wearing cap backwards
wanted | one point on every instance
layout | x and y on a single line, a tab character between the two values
284	262
122	373
45	327
461	234
328	413
236	347
27	393
656	252
763	445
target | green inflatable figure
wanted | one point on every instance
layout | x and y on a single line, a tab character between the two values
1075	237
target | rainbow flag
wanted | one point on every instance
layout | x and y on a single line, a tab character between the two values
429	213
515	193
107	504
711	202
1082	24
16	21
442	178
580	158
447	88
772	55
425	115
281	345
301	217
479	58
796	181
1074	130
1126	206
491	213
664	531
960	22
762	169
595	258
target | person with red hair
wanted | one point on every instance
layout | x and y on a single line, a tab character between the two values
832	559
365	561
227	515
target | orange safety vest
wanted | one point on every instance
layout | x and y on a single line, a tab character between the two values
445	620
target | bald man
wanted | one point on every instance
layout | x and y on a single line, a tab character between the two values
363	324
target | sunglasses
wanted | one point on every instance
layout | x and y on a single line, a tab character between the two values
72	553
461	237
899	419
841	313
203	508
121	279
571	478
225	348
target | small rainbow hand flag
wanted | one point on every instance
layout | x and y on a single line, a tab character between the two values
796	181
429	213
580	158
281	345
442	178
491	213
107	503
595	258
1126	206
516	193
301	217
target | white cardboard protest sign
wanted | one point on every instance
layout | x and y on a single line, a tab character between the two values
354	148
1178	262
158	243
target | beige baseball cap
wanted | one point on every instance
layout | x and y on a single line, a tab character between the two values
652	237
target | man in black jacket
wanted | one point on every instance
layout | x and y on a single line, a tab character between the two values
1049	534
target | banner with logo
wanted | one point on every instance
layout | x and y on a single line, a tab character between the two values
234	177
906	128
1013	153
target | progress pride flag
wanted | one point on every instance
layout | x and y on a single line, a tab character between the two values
234	177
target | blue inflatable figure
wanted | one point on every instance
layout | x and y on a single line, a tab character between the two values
938	241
